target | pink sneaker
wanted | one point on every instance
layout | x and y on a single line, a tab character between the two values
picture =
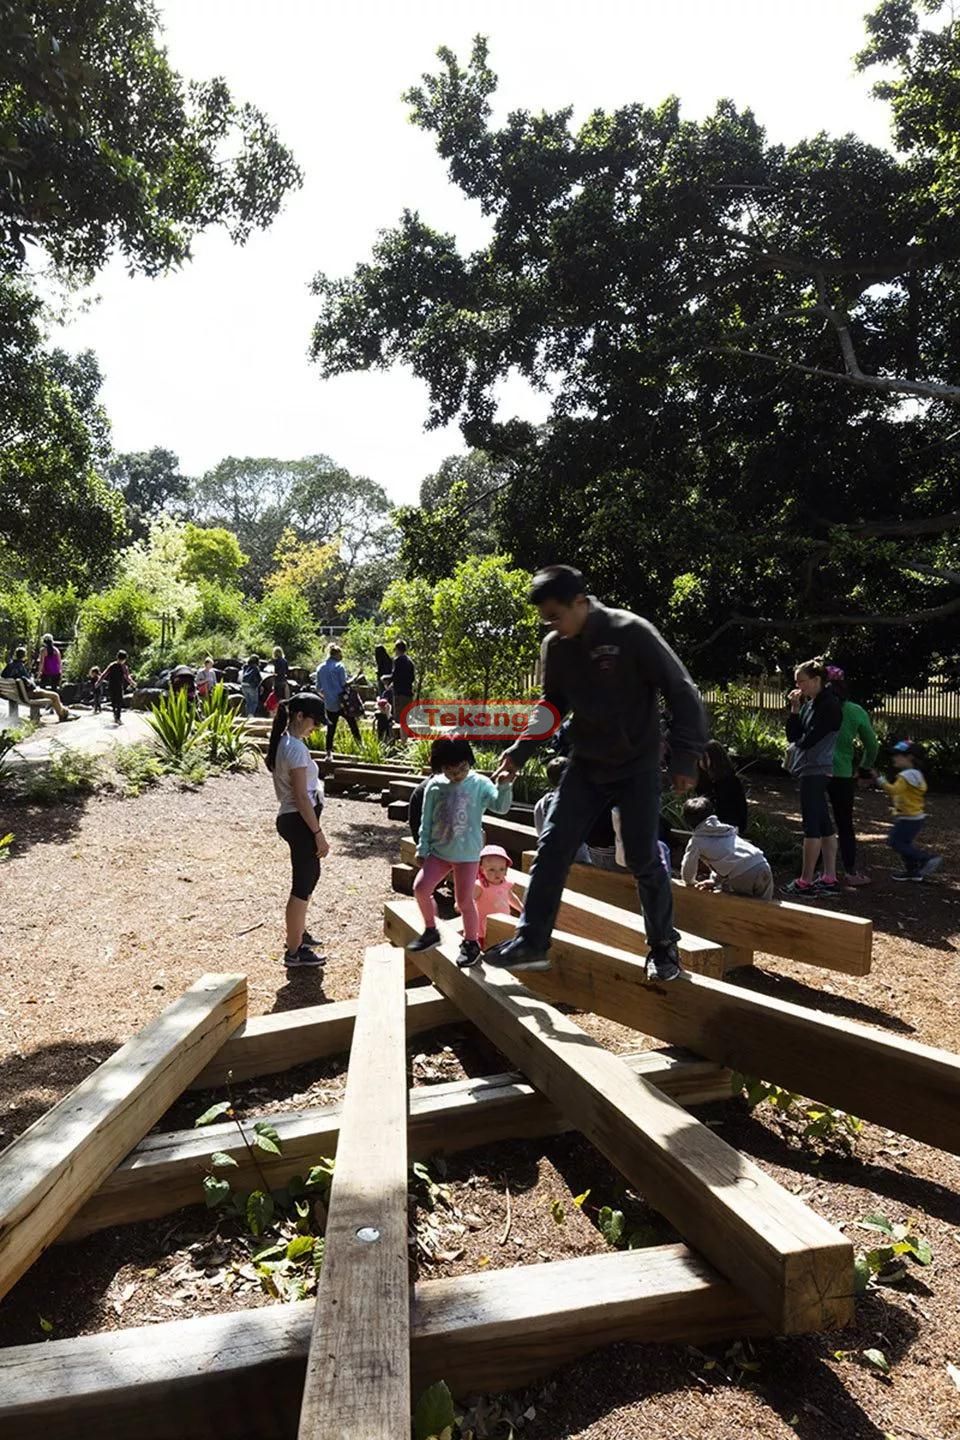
855	879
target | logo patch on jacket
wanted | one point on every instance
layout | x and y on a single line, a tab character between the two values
605	656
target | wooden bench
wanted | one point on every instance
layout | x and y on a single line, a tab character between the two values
15	693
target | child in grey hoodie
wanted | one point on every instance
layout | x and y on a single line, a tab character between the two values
742	868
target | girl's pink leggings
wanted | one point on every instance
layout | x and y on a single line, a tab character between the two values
432	871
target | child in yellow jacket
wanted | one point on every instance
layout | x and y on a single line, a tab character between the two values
908	793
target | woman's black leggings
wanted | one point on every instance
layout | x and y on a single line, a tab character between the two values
332	717
305	862
842	792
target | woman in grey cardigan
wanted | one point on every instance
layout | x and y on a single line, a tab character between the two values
816	714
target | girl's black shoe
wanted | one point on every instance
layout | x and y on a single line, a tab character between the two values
426	941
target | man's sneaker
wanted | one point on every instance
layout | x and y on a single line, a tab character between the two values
426	941
469	953
663	963
303	959
934	864
903	875
516	954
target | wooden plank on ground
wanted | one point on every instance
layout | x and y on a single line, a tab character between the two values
241	1374
166	1171
49	1171
267	1044
827	938
796	1268
398	810
894	1082
358	1370
596	920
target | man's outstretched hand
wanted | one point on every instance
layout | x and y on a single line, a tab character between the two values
507	772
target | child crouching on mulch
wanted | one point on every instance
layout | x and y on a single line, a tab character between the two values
451	838
740	867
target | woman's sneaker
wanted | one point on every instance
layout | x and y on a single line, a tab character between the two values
797	890
855	878
303	959
426	941
469	953
827	889
934	864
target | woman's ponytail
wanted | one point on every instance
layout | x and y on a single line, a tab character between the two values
279	726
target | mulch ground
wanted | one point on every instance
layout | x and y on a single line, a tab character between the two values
113	907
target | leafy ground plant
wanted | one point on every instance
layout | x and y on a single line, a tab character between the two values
819	1124
138	766
64	777
174	722
889	1262
5	842
221	735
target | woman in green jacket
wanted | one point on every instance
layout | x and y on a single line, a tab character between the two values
855	729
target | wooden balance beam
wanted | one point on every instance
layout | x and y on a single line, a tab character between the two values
166	1171
595	920
826	938
241	1374
48	1172
267	1044
897	1083
796	1268
358	1370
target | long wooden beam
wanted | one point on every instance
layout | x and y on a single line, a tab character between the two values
596	920
48	1172
796	1268
267	1044
357	1384
898	1083
166	1171
826	938
241	1374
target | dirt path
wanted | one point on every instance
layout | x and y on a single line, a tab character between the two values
113	908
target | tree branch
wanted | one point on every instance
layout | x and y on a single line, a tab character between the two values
812	622
925	525
952	577
885	385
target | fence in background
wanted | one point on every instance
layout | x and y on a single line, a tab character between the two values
932	711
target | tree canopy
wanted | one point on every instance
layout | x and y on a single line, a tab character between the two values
104	149
753	353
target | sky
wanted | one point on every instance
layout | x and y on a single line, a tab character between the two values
211	360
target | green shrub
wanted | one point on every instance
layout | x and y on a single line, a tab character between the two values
174	722
358	643
116	619
64	777
60	611
138	766
222	733
773	836
19	618
283	617
219	612
743	729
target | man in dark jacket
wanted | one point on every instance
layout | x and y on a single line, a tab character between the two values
607	667
401	679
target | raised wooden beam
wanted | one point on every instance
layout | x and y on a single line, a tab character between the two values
358	1371
827	938
894	1082
596	920
48	1172
241	1374
796	1268
166	1171
267	1044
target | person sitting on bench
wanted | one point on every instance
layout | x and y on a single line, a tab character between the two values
16	669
